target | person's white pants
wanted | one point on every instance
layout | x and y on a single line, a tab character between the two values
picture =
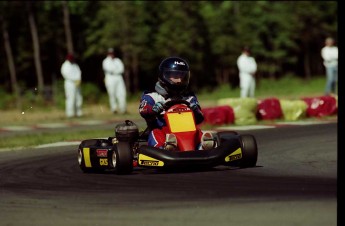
74	99
116	89
332	78
247	85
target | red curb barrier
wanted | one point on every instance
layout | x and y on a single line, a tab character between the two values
321	106
218	115
268	109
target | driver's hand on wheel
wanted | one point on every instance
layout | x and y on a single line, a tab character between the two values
194	106
158	107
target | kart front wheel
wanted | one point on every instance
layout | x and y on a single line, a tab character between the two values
122	158
249	151
225	135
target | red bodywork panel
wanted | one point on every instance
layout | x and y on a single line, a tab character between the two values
181	122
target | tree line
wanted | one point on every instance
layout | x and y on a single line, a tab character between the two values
285	38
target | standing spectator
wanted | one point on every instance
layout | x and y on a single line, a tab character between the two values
247	68
71	72
329	55
113	69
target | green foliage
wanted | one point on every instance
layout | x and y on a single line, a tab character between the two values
7	100
59	94
90	92
284	36
290	86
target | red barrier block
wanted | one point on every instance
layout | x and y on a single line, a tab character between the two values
218	115
269	109
321	106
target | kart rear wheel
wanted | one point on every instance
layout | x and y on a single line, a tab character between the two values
113	160
249	151
122	158
81	158
81	161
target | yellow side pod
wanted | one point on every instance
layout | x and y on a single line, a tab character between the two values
87	160
145	160
234	156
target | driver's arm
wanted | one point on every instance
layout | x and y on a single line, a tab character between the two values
199	116
195	106
147	102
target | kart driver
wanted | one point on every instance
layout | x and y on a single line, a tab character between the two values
173	79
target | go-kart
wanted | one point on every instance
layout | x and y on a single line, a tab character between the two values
129	149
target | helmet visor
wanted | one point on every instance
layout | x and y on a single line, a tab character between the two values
177	77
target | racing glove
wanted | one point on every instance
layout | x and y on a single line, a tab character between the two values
158	107
194	106
199	117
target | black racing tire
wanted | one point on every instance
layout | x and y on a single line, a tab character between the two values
249	151
224	136
81	161
112	160
122	158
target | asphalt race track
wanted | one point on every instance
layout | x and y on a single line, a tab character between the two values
294	183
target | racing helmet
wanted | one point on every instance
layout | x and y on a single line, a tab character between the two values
174	74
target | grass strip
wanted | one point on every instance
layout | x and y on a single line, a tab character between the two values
38	138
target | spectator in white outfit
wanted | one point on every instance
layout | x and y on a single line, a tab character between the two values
329	55
113	69
71	72
247	68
